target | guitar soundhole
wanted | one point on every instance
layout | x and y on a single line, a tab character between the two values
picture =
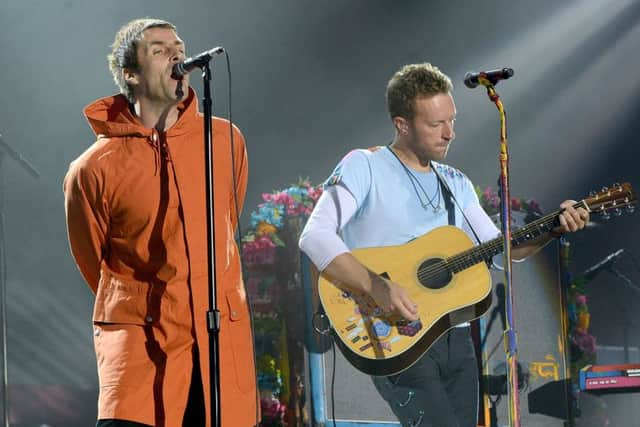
433	274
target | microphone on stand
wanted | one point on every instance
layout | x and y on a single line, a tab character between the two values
590	273
472	79
197	61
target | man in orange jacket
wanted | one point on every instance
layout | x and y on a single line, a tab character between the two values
136	218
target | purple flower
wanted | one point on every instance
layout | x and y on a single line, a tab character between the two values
585	342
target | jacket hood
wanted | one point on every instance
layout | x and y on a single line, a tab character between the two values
112	117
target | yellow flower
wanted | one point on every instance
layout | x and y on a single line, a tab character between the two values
265	228
583	321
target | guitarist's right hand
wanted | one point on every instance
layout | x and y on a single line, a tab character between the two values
388	295
393	299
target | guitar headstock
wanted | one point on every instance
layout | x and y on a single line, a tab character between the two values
613	200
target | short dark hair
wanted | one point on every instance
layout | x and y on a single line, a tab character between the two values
413	81
124	50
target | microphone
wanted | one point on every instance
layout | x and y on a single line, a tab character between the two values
197	61
471	79
592	272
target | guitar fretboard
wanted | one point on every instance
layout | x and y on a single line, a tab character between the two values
488	250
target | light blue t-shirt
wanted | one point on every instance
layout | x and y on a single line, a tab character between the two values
390	203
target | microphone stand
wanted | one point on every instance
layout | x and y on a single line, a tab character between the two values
213	314
505	218
4	388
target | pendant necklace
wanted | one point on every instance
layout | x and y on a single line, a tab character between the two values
430	201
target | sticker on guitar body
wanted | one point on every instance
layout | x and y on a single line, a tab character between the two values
382	330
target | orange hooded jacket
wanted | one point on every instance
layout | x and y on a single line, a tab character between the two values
135	205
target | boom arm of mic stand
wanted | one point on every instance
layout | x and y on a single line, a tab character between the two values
624	278
19	158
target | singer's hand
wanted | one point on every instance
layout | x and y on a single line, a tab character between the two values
571	219
393	299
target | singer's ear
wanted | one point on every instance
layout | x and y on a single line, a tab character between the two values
401	124
130	77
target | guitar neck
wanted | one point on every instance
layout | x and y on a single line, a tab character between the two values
487	250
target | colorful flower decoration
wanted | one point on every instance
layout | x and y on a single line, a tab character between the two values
490	202
259	245
269	376
271	227
270	383
273	411
583	344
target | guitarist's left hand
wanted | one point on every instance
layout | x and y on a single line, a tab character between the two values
571	219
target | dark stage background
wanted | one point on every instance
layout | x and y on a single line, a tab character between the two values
308	85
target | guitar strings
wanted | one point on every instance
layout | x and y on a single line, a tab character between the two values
464	259
461	260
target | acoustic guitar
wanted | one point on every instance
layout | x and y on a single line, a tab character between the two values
445	274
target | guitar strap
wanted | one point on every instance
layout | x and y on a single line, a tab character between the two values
447	195
449	198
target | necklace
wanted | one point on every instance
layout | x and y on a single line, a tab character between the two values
430	201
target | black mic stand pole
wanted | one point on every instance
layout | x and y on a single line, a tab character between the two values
213	315
4	147
505	218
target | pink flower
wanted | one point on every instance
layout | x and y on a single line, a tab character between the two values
267	197
261	251
581	299
283	199
488	193
516	205
272	408
315	193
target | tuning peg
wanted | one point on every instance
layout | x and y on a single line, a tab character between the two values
606	215
617	212
631	208
592	194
